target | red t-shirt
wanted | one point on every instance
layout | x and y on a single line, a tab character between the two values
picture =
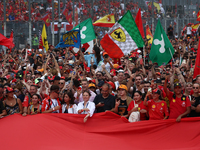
157	110
140	107
26	102
177	106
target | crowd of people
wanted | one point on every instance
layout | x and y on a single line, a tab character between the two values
36	81
19	10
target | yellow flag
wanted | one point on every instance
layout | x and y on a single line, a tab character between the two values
106	21
44	38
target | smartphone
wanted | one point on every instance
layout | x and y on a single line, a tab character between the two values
46	77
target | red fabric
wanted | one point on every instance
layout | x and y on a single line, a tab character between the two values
111	48
138	21
198	16
157	110
140	106
197	63
107	129
8	42
177	106
100	24
26	101
46	19
40	42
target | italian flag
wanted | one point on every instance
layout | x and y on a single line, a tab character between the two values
122	38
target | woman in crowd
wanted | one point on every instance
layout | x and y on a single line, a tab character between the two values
35	108
11	104
157	108
86	107
123	102
188	90
136	109
68	105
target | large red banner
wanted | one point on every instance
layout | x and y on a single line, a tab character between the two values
102	131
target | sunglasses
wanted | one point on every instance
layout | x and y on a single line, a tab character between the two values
195	87
16	91
61	83
99	75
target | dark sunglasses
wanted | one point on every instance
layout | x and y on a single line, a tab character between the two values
195	87
61	83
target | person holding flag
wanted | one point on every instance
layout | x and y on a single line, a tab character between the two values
161	50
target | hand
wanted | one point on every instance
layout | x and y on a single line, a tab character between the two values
132	76
193	101
148	94
99	104
24	114
193	108
143	111
86	118
103	67
135	109
79	93
117	103
178	119
57	107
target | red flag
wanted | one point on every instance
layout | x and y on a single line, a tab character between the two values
46	19
40	42
197	63
69	17
198	16
8	42
138	21
65	12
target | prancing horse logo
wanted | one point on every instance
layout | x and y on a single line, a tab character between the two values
119	35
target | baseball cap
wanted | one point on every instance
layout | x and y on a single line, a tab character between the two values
122	86
156	91
105	53
56	78
9	89
112	84
177	84
115	66
100	83
92	85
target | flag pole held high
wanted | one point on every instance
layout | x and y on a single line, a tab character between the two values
162	50
122	38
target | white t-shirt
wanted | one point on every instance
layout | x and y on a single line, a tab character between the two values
89	105
54	104
189	30
107	66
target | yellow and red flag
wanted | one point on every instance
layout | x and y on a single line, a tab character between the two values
106	21
149	36
195	27
198	16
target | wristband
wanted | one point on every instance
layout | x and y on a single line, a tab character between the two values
53	109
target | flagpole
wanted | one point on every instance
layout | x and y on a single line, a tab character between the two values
171	54
143	54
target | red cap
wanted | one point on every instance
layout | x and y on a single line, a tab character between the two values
158	73
14	80
88	69
120	67
105	53
112	84
9	89
62	78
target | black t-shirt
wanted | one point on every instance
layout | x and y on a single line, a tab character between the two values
1	107
193	113
109	103
122	108
170	31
